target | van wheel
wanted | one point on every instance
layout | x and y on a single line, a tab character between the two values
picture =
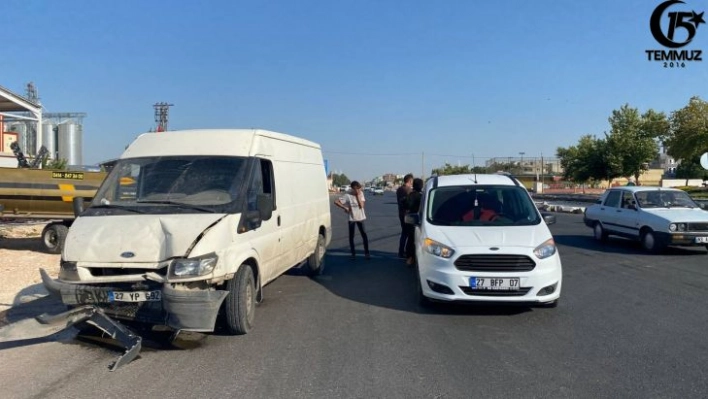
54	236
599	232
315	263
240	305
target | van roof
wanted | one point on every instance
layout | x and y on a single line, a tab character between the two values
226	142
481	179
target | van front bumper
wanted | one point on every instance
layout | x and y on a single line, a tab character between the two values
188	310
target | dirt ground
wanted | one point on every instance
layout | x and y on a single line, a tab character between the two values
21	257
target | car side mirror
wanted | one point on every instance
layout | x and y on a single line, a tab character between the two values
412	218
264	202
77	205
549	218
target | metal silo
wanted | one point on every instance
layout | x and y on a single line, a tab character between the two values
69	143
49	139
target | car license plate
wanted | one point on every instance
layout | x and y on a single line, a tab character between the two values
701	240
134	296
495	283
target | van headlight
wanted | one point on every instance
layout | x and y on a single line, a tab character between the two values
677	227
198	266
437	249
546	249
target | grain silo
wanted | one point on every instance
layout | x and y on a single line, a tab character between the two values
69	143
49	139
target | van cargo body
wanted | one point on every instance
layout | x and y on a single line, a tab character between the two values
191	224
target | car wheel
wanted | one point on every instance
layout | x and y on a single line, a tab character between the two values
599	232
240	305
315	263
650	243
53	237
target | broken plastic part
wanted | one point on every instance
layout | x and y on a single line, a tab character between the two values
45	325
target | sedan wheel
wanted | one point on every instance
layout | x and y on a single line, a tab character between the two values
650	243
600	233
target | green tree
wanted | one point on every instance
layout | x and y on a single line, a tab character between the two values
451	170
688	136
691	169
340	180
633	138
589	160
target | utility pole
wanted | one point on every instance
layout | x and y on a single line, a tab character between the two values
422	165
162	111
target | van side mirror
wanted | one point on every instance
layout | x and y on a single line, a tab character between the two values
264	202
412	218
78	206
549	218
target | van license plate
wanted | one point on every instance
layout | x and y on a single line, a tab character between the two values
134	296
701	240
495	283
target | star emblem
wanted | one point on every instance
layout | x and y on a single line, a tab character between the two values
697	19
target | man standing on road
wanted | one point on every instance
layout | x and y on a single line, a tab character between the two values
401	195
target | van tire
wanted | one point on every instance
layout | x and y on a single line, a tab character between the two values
315	263
54	236
240	305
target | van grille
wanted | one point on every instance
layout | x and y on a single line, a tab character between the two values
119	271
520	292
495	263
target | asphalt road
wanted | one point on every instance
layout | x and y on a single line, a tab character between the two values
629	325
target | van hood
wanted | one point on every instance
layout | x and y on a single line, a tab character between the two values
490	236
149	238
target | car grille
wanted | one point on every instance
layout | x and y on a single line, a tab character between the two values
520	292
495	263
697	227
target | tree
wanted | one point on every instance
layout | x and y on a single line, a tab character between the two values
633	138
691	169
688	135
451	170
590	159
340	180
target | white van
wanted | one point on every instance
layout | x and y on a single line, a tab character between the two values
481	238
188	220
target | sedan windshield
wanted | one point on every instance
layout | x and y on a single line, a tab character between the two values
664	199
481	206
172	184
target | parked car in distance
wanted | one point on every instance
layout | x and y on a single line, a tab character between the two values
377	191
480	238
655	216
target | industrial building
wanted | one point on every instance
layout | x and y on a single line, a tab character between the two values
22	121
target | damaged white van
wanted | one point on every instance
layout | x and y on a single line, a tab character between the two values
192	223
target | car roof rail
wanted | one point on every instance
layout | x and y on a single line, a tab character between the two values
510	176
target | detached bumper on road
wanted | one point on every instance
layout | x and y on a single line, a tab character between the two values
188	310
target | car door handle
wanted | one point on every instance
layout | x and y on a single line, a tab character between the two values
619	210
278	220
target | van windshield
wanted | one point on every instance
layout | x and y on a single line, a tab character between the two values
184	184
481	205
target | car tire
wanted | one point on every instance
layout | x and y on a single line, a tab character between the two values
316	263
54	236
599	232
240	305
650	243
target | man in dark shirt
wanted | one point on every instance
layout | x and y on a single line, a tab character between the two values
401	195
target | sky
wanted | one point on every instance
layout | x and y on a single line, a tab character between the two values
383	86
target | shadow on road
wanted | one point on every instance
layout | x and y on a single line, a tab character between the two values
620	246
386	281
22	244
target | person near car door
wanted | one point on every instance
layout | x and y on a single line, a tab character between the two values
413	206
353	204
401	196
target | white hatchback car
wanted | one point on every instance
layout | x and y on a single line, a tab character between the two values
481	238
655	216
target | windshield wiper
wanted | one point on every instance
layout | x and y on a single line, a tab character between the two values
175	203
121	207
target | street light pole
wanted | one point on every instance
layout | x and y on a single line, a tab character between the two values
521	163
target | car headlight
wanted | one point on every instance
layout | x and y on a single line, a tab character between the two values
437	249
546	249
194	266
677	227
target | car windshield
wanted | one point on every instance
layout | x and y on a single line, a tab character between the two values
664	199
481	205
172	184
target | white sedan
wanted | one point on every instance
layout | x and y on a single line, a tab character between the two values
656	216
